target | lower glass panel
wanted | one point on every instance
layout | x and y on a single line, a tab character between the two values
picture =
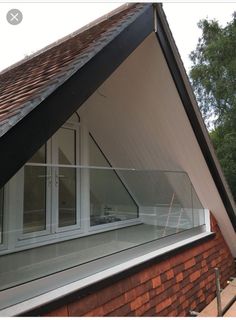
34	216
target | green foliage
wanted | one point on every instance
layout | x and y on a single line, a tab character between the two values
213	76
225	145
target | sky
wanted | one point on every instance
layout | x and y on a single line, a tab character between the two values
44	23
183	19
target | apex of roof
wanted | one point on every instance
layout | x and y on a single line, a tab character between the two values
24	85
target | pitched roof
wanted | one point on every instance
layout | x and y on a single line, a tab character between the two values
61	77
25	85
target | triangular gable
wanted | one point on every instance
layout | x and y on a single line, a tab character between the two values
28	127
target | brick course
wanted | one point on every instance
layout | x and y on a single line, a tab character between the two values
168	288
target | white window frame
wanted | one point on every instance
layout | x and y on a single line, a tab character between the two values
53	233
15	188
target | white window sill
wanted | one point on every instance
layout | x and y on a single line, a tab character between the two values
136	257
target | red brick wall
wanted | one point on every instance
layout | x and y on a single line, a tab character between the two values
170	288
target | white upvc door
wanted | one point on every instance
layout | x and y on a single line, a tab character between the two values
50	189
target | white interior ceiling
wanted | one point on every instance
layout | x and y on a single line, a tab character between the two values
138	119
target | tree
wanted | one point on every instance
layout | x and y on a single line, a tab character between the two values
225	144
213	76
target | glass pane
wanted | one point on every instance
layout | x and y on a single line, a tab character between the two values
35	178
198	211
167	203
34	218
39	156
164	200
110	201
67	177
1	214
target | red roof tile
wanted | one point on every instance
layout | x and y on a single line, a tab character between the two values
25	85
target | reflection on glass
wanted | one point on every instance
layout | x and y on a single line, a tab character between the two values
110	200
39	156
167	206
35	178
67	177
198	211
1	214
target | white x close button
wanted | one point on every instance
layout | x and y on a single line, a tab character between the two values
14	16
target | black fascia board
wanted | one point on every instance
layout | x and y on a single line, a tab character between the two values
190	111
20	143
